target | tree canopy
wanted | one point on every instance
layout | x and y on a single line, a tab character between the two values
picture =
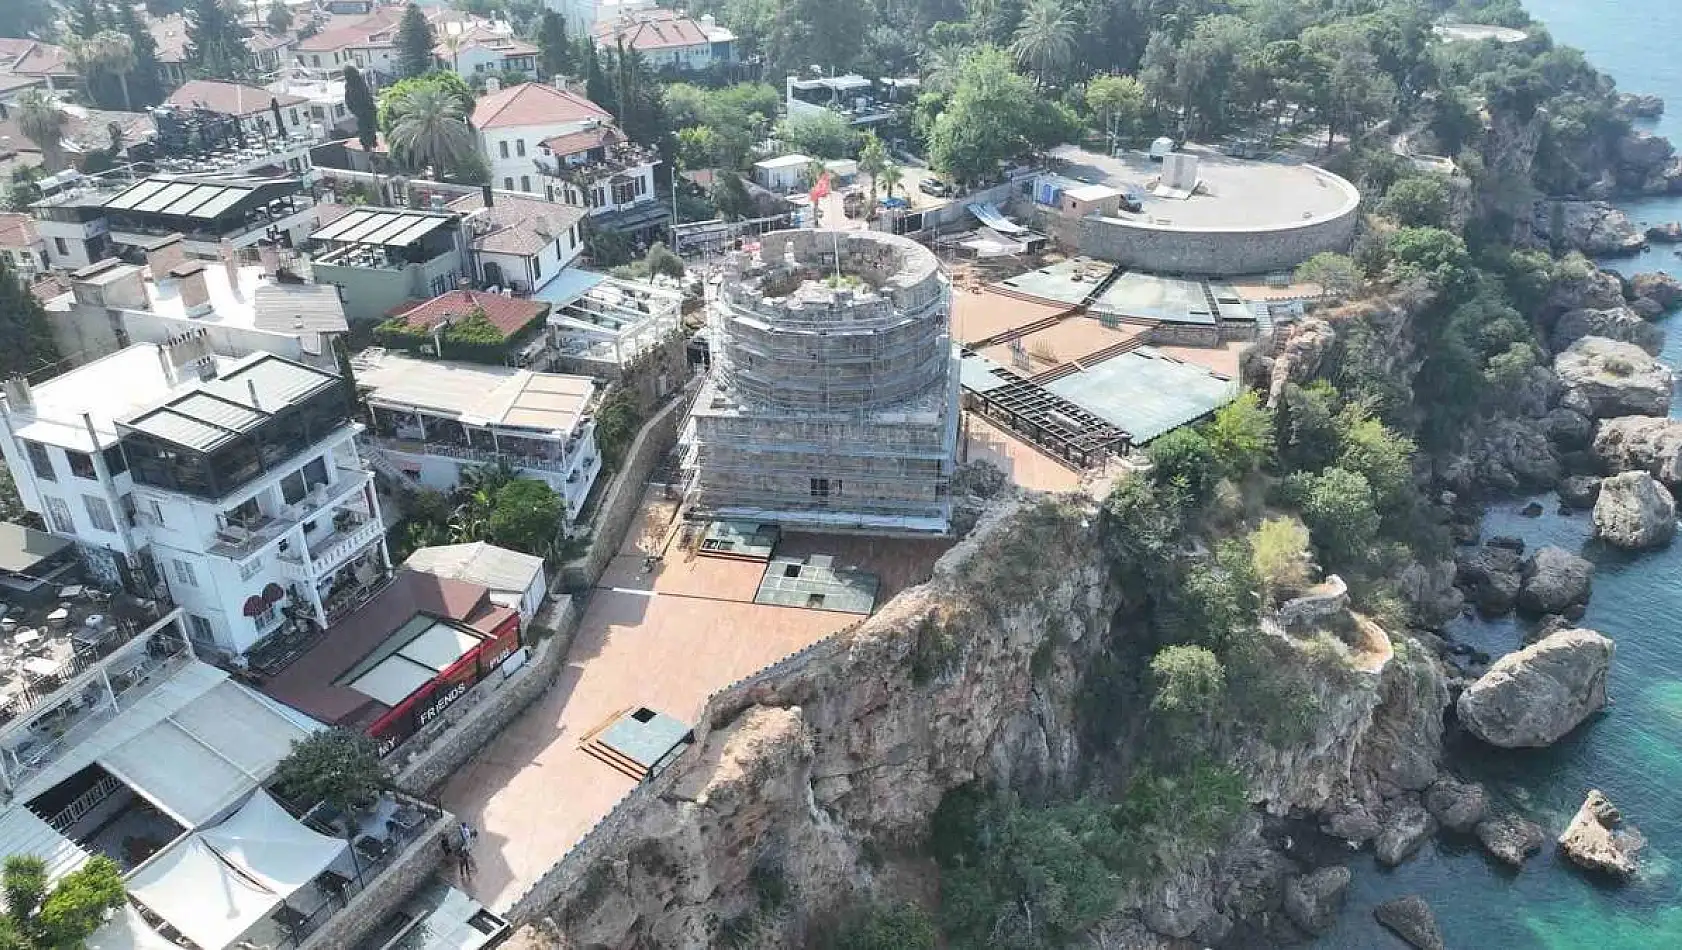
415	41
993	116
216	41
527	516
38	917
338	766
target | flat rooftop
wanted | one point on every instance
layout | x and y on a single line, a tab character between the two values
242	397
664	639
1131	294
475	394
1235	194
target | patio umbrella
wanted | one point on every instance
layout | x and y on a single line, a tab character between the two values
254	606
272	593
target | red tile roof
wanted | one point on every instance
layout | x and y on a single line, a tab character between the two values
652	30
17	230
229	98
534	103
574	142
34	58
517	225
376	29
307	685
508	314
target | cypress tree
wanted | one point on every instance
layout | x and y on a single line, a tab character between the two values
23	325
360	102
414	43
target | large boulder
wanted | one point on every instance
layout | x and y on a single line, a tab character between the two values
1598	840
1429	590
1510	838
1611	378
1509	454
1457	806
1644	152
1594	227
1407	828
1618	323
1657	286
1532	697
1554	579
1568	428
1634	512
1595	289
1412	920
1641	444
1313	900
1632	105
1490	577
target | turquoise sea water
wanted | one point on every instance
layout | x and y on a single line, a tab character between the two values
1634	751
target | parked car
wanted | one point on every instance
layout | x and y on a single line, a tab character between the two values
1132	199
935	188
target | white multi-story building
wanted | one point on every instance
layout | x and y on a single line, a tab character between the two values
669	39
434	419
234	483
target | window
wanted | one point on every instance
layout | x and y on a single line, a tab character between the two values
624	192
58	515
157	513
520	147
40	461
115	461
184	572
63	248
826	488
81	464
315	473
508	184
293	115
502	147
248	571
314	61
536	268
266	619
525	183
99	513
292	488
201	628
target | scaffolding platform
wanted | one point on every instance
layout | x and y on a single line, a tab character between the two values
815	583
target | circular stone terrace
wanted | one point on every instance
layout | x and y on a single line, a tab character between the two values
1235	195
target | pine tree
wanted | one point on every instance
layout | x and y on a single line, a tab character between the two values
145	85
360	102
553	46
597	89
216	41
23	325
414	43
86	18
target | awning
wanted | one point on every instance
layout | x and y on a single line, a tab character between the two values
199	894
128	931
271	846
22	832
22	550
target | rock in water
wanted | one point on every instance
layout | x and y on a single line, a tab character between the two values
1593	227
1406	830
1659	287
1634	512
1641	444
1532	697
1312	901
1615	323
1595	841
1490	577
1579	491
1510	838
1411	919
1458	806
1567	429
1608	378
1554	579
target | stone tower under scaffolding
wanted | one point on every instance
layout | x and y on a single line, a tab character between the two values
833	399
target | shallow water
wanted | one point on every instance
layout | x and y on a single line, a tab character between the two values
1634	751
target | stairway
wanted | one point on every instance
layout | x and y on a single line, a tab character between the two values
401	480
1102	286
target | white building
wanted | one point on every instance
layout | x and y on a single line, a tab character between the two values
513	123
479	53
367	42
669	39
784	173
515	580
236	483
519	241
433	419
605	328
583	16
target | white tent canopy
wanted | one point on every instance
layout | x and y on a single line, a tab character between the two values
128	931
271	846
197	893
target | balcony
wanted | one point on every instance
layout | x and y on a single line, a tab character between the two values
559	466
239	541
331	550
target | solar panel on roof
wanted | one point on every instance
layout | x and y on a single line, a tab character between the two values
375	222
409	234
219	203
338	226
164	196
192	199
136	193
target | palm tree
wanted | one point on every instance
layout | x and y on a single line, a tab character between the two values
428	127
452	43
890	177
1045	42
105	52
40	121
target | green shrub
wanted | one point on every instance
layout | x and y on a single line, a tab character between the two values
888	927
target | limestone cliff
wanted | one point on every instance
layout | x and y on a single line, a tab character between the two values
809	774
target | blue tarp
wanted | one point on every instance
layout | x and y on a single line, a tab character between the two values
567	286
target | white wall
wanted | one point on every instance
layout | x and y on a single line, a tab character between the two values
554	257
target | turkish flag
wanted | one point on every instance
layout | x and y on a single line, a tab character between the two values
821	188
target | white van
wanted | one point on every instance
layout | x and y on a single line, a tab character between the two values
1161	148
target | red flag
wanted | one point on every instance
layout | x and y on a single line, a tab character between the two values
821	188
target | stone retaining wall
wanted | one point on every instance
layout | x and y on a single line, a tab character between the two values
451	747
624	496
369	907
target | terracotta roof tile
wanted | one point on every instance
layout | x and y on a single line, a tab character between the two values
229	98
649	30
508	314
376	29
574	142
534	103
519	226
17	230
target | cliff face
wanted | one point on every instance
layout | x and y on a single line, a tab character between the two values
806	776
